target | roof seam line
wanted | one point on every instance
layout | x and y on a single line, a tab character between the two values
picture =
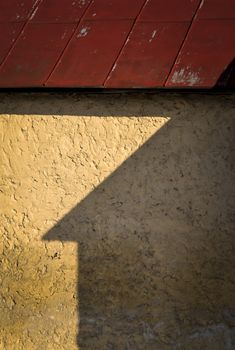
69	41
183	41
36	4
124	44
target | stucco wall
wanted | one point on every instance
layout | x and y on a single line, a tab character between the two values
128	199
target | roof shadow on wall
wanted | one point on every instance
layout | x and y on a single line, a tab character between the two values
155	243
103	104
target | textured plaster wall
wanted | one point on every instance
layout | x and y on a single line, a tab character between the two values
128	201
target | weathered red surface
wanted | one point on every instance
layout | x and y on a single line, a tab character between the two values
16	10
216	9
200	63
169	10
8	34
116	43
34	54
114	9
60	11
88	58
148	55
208	48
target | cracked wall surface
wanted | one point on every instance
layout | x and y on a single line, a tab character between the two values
148	181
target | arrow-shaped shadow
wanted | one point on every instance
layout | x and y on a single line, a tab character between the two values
155	243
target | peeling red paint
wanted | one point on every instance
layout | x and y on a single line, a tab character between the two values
115	43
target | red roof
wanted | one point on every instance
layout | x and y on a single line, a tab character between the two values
116	43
